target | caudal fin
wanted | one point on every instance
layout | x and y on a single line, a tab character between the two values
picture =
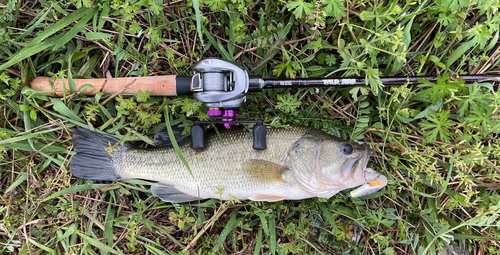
92	161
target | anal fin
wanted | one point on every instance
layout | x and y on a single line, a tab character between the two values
263	171
267	198
170	194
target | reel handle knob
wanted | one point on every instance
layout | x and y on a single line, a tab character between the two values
259	137
197	137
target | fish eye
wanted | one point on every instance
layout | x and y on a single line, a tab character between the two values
347	149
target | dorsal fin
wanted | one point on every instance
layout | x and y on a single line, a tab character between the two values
263	171
162	138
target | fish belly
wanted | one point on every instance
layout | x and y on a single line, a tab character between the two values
217	171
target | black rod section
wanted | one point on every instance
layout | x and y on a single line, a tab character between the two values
256	85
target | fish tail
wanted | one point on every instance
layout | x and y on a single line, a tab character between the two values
95	154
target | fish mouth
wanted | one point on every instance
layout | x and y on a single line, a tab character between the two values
354	172
352	164
366	156
349	167
368	153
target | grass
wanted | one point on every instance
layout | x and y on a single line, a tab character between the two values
438	143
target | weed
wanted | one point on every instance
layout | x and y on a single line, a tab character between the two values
437	142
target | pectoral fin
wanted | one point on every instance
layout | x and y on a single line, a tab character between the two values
267	198
170	194
263	171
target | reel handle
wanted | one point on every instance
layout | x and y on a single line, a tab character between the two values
259	134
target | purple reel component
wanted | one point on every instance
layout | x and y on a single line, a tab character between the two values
229	113
214	112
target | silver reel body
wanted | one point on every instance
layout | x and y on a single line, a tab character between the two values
219	83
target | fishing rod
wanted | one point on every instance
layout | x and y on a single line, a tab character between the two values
217	83
221	86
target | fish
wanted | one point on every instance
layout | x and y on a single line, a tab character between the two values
299	163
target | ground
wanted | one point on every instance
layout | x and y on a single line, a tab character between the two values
437	142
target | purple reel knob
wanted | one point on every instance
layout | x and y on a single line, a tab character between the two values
214	112
229	113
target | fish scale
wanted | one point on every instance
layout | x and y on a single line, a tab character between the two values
217	166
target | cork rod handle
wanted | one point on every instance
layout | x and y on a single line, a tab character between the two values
157	85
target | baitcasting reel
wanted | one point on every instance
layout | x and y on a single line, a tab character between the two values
222	87
219	83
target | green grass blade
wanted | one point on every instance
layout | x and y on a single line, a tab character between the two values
138	182
106	124
62	241
76	188
108	224
27	136
196	7
174	142
41	246
22	178
154	250
86	69
71	83
8	131
345	211
76	123
457	236
230	225
459	52
29	51
35	25
417	192
64	110
493	42
27	123
258	245
431	247
98	244
327	214
264	224
312	245
23	146
165	232
142	137
97	35
104	13
136	188
445	185
272	234
58	26
274	48
77	28
58	8
71	230
217	45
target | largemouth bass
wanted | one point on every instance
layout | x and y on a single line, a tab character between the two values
299	163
